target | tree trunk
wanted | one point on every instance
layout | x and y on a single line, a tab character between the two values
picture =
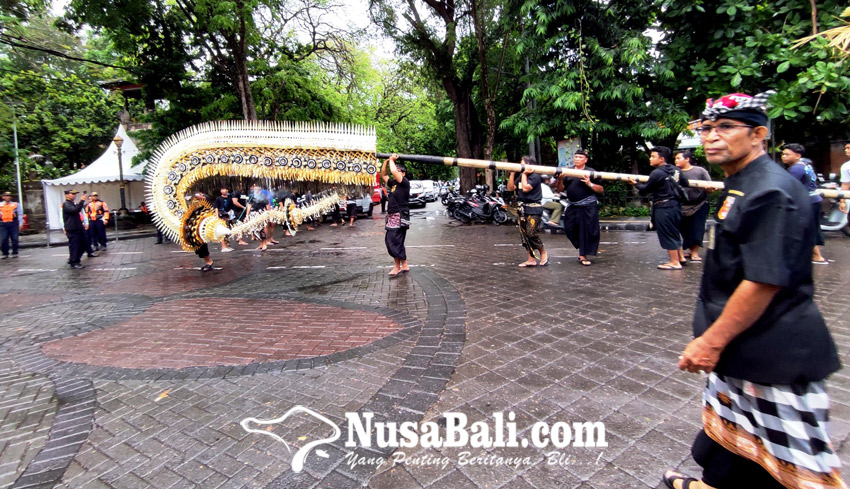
468	135
238	46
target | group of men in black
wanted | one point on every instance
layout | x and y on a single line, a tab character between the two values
758	333
581	216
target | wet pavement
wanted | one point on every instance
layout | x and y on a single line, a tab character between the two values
141	371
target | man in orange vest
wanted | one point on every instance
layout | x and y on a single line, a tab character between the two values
12	219
98	214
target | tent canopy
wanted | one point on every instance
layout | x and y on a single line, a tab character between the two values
100	176
105	168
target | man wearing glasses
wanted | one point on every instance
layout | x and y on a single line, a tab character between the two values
758	333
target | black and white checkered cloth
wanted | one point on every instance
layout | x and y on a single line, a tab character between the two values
783	428
715	108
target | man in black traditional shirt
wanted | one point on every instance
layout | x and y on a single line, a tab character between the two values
581	219
758	331
73	225
666	210
529	195
397	220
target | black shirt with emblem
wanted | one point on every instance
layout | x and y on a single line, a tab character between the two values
399	195
763	235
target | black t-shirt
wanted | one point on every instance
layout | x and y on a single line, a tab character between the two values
399	195
532	197
761	235
661	188
577	190
282	194
222	204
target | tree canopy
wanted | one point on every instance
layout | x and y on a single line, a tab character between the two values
473	78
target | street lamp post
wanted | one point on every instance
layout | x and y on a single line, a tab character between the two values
118	142
17	159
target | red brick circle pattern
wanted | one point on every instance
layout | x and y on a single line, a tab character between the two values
223	331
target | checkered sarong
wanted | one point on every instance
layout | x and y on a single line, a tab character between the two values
780	427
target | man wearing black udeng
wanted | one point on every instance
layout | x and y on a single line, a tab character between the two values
581	218
74	227
758	332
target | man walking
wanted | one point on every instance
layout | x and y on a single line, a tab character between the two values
397	220
757	330
74	227
527	186
12	220
792	155
98	213
581	219
695	212
666	209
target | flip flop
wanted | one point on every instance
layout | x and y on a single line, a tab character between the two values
391	274
526	265
668	267
670	477
403	270
696	260
207	268
586	263
544	262
822	262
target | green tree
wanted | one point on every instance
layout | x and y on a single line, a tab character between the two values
211	38
594	76
431	35
727	46
65	119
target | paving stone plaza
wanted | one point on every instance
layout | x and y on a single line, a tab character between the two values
140	371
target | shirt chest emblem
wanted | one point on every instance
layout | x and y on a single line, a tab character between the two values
726	207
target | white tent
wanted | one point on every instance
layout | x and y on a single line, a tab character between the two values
100	176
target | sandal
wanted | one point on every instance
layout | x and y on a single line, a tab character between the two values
820	262
668	267
207	268
586	263
670	477
696	260
394	274
544	262
526	264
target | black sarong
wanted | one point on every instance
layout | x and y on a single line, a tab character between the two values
581	225
667	221
693	227
396	233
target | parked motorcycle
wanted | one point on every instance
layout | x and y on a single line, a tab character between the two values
832	219
477	207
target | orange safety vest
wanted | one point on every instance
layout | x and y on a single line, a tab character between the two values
97	211
7	211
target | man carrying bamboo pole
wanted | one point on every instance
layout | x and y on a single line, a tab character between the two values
397	220
758	332
581	219
529	195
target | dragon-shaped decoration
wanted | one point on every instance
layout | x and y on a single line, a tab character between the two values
332	154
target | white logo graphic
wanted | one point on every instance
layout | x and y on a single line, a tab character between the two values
456	431
301	455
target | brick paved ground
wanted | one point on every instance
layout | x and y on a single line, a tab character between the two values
238	332
476	335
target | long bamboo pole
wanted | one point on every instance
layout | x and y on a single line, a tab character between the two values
570	172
